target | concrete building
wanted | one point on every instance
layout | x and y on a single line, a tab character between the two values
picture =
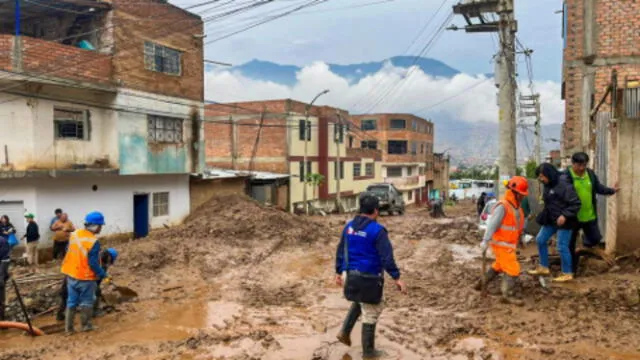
101	108
406	142
440	175
601	83
270	136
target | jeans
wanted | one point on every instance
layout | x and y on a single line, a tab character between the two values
81	293
564	239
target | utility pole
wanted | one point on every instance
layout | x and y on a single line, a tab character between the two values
506	27
307	129
337	135
530	107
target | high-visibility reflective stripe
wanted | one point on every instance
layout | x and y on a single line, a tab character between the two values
78	243
508	228
502	243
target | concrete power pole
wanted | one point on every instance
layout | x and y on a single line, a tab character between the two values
530	107
506	27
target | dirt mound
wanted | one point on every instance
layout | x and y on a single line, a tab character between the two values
462	230
230	230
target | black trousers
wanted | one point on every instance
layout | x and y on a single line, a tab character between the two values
4	276
592	238
60	249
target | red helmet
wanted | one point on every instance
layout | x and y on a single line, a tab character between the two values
519	184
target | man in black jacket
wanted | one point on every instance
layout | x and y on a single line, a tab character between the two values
561	205
587	186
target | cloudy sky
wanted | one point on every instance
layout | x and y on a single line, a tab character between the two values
355	31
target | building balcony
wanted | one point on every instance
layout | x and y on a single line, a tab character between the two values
406	183
43	61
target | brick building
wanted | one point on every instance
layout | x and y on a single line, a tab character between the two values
104	101
406	142
602	68
440	175
236	140
599	36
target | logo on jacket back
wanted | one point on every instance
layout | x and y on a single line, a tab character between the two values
361	233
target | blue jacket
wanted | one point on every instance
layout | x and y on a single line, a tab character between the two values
369	248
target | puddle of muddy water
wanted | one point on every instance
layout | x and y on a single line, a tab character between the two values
465	253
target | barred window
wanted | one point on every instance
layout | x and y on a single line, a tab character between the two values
70	124
356	169
368	169
160	204
162	59
163	129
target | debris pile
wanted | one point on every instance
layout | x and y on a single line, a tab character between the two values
463	230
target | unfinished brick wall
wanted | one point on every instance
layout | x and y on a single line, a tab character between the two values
618	27
6	44
164	24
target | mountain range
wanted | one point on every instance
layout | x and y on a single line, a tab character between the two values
467	142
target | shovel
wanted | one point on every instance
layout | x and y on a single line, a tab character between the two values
484	272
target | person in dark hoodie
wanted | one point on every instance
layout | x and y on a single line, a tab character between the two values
363	254
482	201
561	206
5	252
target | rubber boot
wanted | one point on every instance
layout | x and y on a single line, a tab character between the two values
97	310
69	317
508	285
344	336
86	315
490	275
369	342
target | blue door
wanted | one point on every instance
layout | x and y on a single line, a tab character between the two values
140	215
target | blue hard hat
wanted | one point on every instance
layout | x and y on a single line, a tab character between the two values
114	254
94	218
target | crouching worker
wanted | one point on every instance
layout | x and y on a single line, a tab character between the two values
107	258
82	267
504	228
363	253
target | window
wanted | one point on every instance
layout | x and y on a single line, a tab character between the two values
341	169
421	148
394	171
369	170
70	125
338	133
397	124
302	130
302	170
162	59
160	204
397	147
368	125
409	171
163	129
350	142
565	23
369	144
414	148
421	170
356	169
415	126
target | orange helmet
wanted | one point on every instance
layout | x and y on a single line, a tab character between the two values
519	184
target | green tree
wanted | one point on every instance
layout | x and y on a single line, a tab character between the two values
531	169
314	180
519	171
496	173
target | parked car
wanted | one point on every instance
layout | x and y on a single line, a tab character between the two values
390	198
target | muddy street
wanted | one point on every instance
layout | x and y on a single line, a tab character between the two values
240	281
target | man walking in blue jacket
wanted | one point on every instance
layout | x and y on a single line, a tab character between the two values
363	254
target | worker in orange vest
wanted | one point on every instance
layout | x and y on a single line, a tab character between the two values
82	266
504	229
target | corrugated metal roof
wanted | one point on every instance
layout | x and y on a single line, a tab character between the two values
217	173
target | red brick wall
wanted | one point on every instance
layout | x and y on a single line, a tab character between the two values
155	21
5	51
618	24
574	49
63	61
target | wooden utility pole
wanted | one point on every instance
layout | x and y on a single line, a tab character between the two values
506	27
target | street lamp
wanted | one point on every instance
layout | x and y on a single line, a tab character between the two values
307	128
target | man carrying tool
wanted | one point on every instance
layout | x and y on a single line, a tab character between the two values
504	228
107	258
362	255
82	267
587	186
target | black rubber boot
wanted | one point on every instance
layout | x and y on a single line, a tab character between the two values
369	342
86	315
69	317
344	336
490	275
508	286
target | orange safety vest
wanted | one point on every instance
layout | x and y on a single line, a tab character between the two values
76	262
509	232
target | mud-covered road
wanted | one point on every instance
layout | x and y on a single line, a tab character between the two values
243	282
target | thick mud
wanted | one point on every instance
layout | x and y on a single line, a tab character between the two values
239	281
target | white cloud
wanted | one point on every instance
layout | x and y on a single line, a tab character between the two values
469	98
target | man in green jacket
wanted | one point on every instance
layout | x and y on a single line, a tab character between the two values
587	186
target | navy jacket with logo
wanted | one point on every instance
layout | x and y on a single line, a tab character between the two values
369	248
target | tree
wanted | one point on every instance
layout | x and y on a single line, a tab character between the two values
519	171
531	169
314	180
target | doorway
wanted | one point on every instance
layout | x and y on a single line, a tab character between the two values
140	215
